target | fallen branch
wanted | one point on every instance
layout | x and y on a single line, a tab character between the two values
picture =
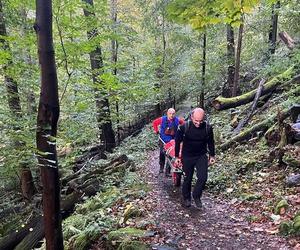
287	40
250	114
221	103
262	126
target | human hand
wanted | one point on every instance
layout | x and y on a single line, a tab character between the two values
177	161
211	160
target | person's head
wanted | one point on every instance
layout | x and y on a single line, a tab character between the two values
171	113
197	116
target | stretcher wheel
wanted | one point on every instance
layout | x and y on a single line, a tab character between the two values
177	179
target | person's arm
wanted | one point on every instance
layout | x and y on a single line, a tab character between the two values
211	146
178	140
156	123
181	120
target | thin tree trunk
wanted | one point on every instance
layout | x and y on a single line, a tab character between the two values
30	96
114	57
48	113
164	41
228	88
273	28
201	101
159	75
238	59
107	136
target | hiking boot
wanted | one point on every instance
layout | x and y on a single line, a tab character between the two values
186	203
168	171
161	168
198	203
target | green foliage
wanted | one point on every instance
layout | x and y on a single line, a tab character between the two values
200	14
123	233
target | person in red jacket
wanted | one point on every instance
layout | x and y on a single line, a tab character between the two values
166	126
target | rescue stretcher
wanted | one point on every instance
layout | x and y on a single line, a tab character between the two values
170	165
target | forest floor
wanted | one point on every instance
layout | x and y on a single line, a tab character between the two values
240	201
218	225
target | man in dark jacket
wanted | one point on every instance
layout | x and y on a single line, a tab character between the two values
198	140
166	126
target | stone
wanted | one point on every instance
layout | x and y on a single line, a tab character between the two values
293	180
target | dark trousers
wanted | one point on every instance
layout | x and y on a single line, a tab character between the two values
162	156
189	165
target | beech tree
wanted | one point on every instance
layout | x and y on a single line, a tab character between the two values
48	113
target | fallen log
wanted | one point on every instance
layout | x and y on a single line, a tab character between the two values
37	233
34	228
253	107
88	184
79	180
118	160
246	134
221	103
11	240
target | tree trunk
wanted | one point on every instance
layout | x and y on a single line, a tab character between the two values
273	28
30	96
221	103
228	86
201	101
48	113
114	57
107	136
27	185
236	80
288	41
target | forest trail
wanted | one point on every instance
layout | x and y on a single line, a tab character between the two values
219	225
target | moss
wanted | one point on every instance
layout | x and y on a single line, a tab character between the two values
133	245
290	160
125	234
285	227
296	224
102	200
283	204
85	239
250	197
11	225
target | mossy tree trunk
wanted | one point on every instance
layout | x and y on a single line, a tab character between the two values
273	28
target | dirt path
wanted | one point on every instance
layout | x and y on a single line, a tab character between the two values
217	226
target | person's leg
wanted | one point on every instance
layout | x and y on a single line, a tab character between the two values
202	169
188	169
162	158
